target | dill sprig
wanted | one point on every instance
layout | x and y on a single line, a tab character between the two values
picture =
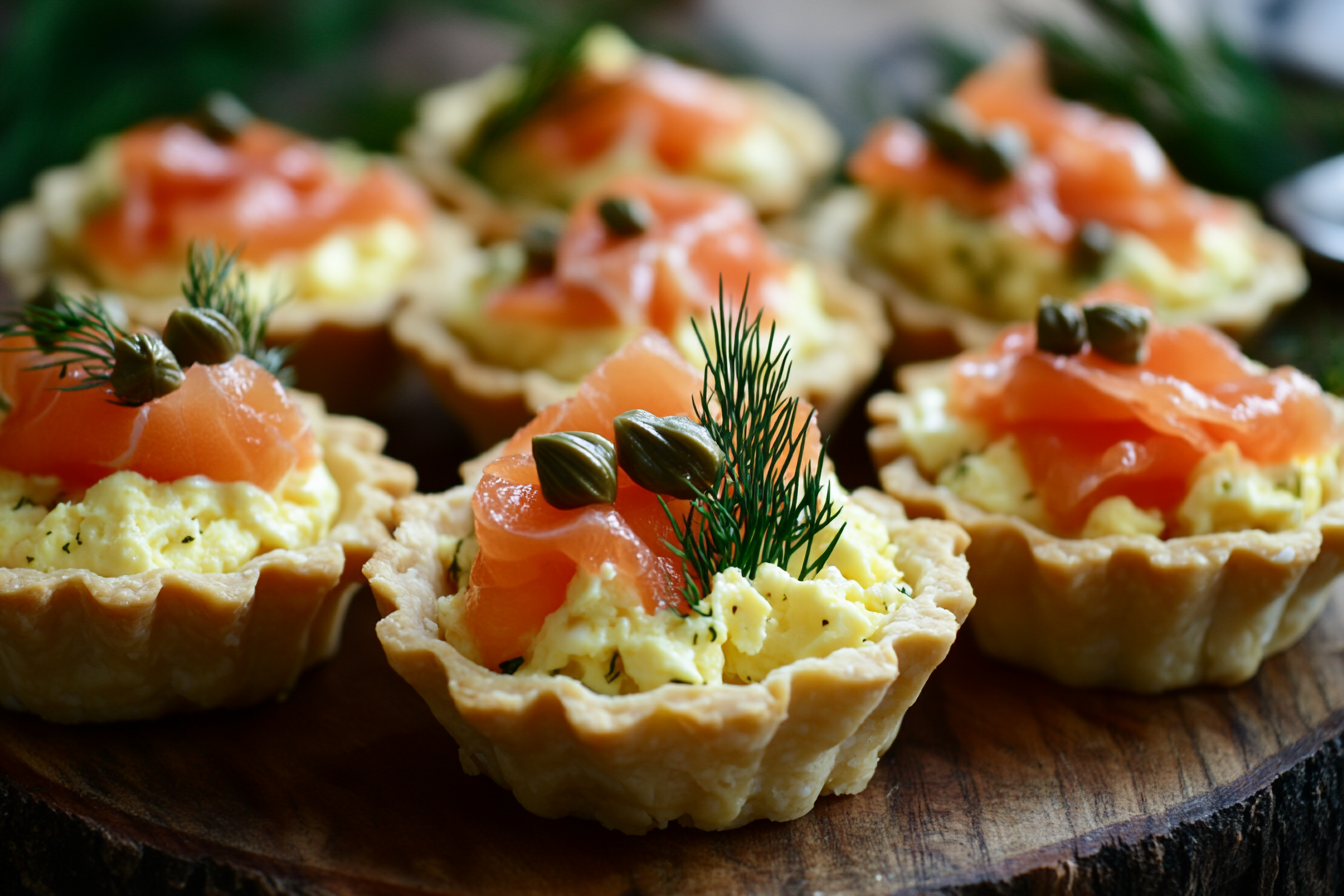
772	503
549	63
215	282
79	331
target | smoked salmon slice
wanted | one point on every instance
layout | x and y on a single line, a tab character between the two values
701	236
229	422
1090	428
267	192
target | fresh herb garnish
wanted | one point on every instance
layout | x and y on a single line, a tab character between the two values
553	57
216	283
771	503
137	368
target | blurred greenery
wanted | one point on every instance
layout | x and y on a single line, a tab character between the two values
74	70
1228	122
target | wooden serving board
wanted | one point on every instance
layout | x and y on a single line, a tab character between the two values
999	782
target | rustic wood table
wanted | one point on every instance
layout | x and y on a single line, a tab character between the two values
999	782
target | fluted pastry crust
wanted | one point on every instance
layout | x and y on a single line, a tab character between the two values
79	647
713	756
1127	611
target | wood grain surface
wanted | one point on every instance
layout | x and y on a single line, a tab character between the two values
999	782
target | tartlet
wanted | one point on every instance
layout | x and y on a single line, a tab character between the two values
1143	601
333	235
961	246
751	135
495	367
213	534
682	722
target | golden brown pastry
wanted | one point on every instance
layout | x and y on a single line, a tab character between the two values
1158	521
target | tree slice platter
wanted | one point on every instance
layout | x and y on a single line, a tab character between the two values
1000	782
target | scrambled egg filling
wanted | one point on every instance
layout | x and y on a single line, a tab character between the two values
743	629
1227	493
349	264
126	524
752	160
987	267
569	353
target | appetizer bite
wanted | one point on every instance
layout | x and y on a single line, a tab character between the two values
333	232
639	252
1148	508
1005	193
653	605
177	531
547	133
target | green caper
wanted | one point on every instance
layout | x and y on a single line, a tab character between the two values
1060	327
1090	248
201	336
667	455
1117	331
998	154
953	131
222	116
143	369
540	240
575	468
625	215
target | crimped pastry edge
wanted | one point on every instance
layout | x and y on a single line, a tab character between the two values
712	757
79	647
1133	612
493	401
926	329
340	348
449	118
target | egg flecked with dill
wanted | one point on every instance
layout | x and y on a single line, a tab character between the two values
744	629
126	524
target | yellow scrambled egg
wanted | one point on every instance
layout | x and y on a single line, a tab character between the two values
742	630
987	267
126	524
1227	492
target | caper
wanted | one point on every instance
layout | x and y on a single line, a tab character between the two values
952	131
1117	331
1091	246
667	455
1060	327
540	239
625	215
201	336
143	369
575	468
999	153
222	116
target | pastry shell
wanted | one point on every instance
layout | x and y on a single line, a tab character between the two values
340	347
1134	612
79	647
493	401
712	757
925	329
449	119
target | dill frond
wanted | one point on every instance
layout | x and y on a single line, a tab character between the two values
76	331
771	504
215	282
